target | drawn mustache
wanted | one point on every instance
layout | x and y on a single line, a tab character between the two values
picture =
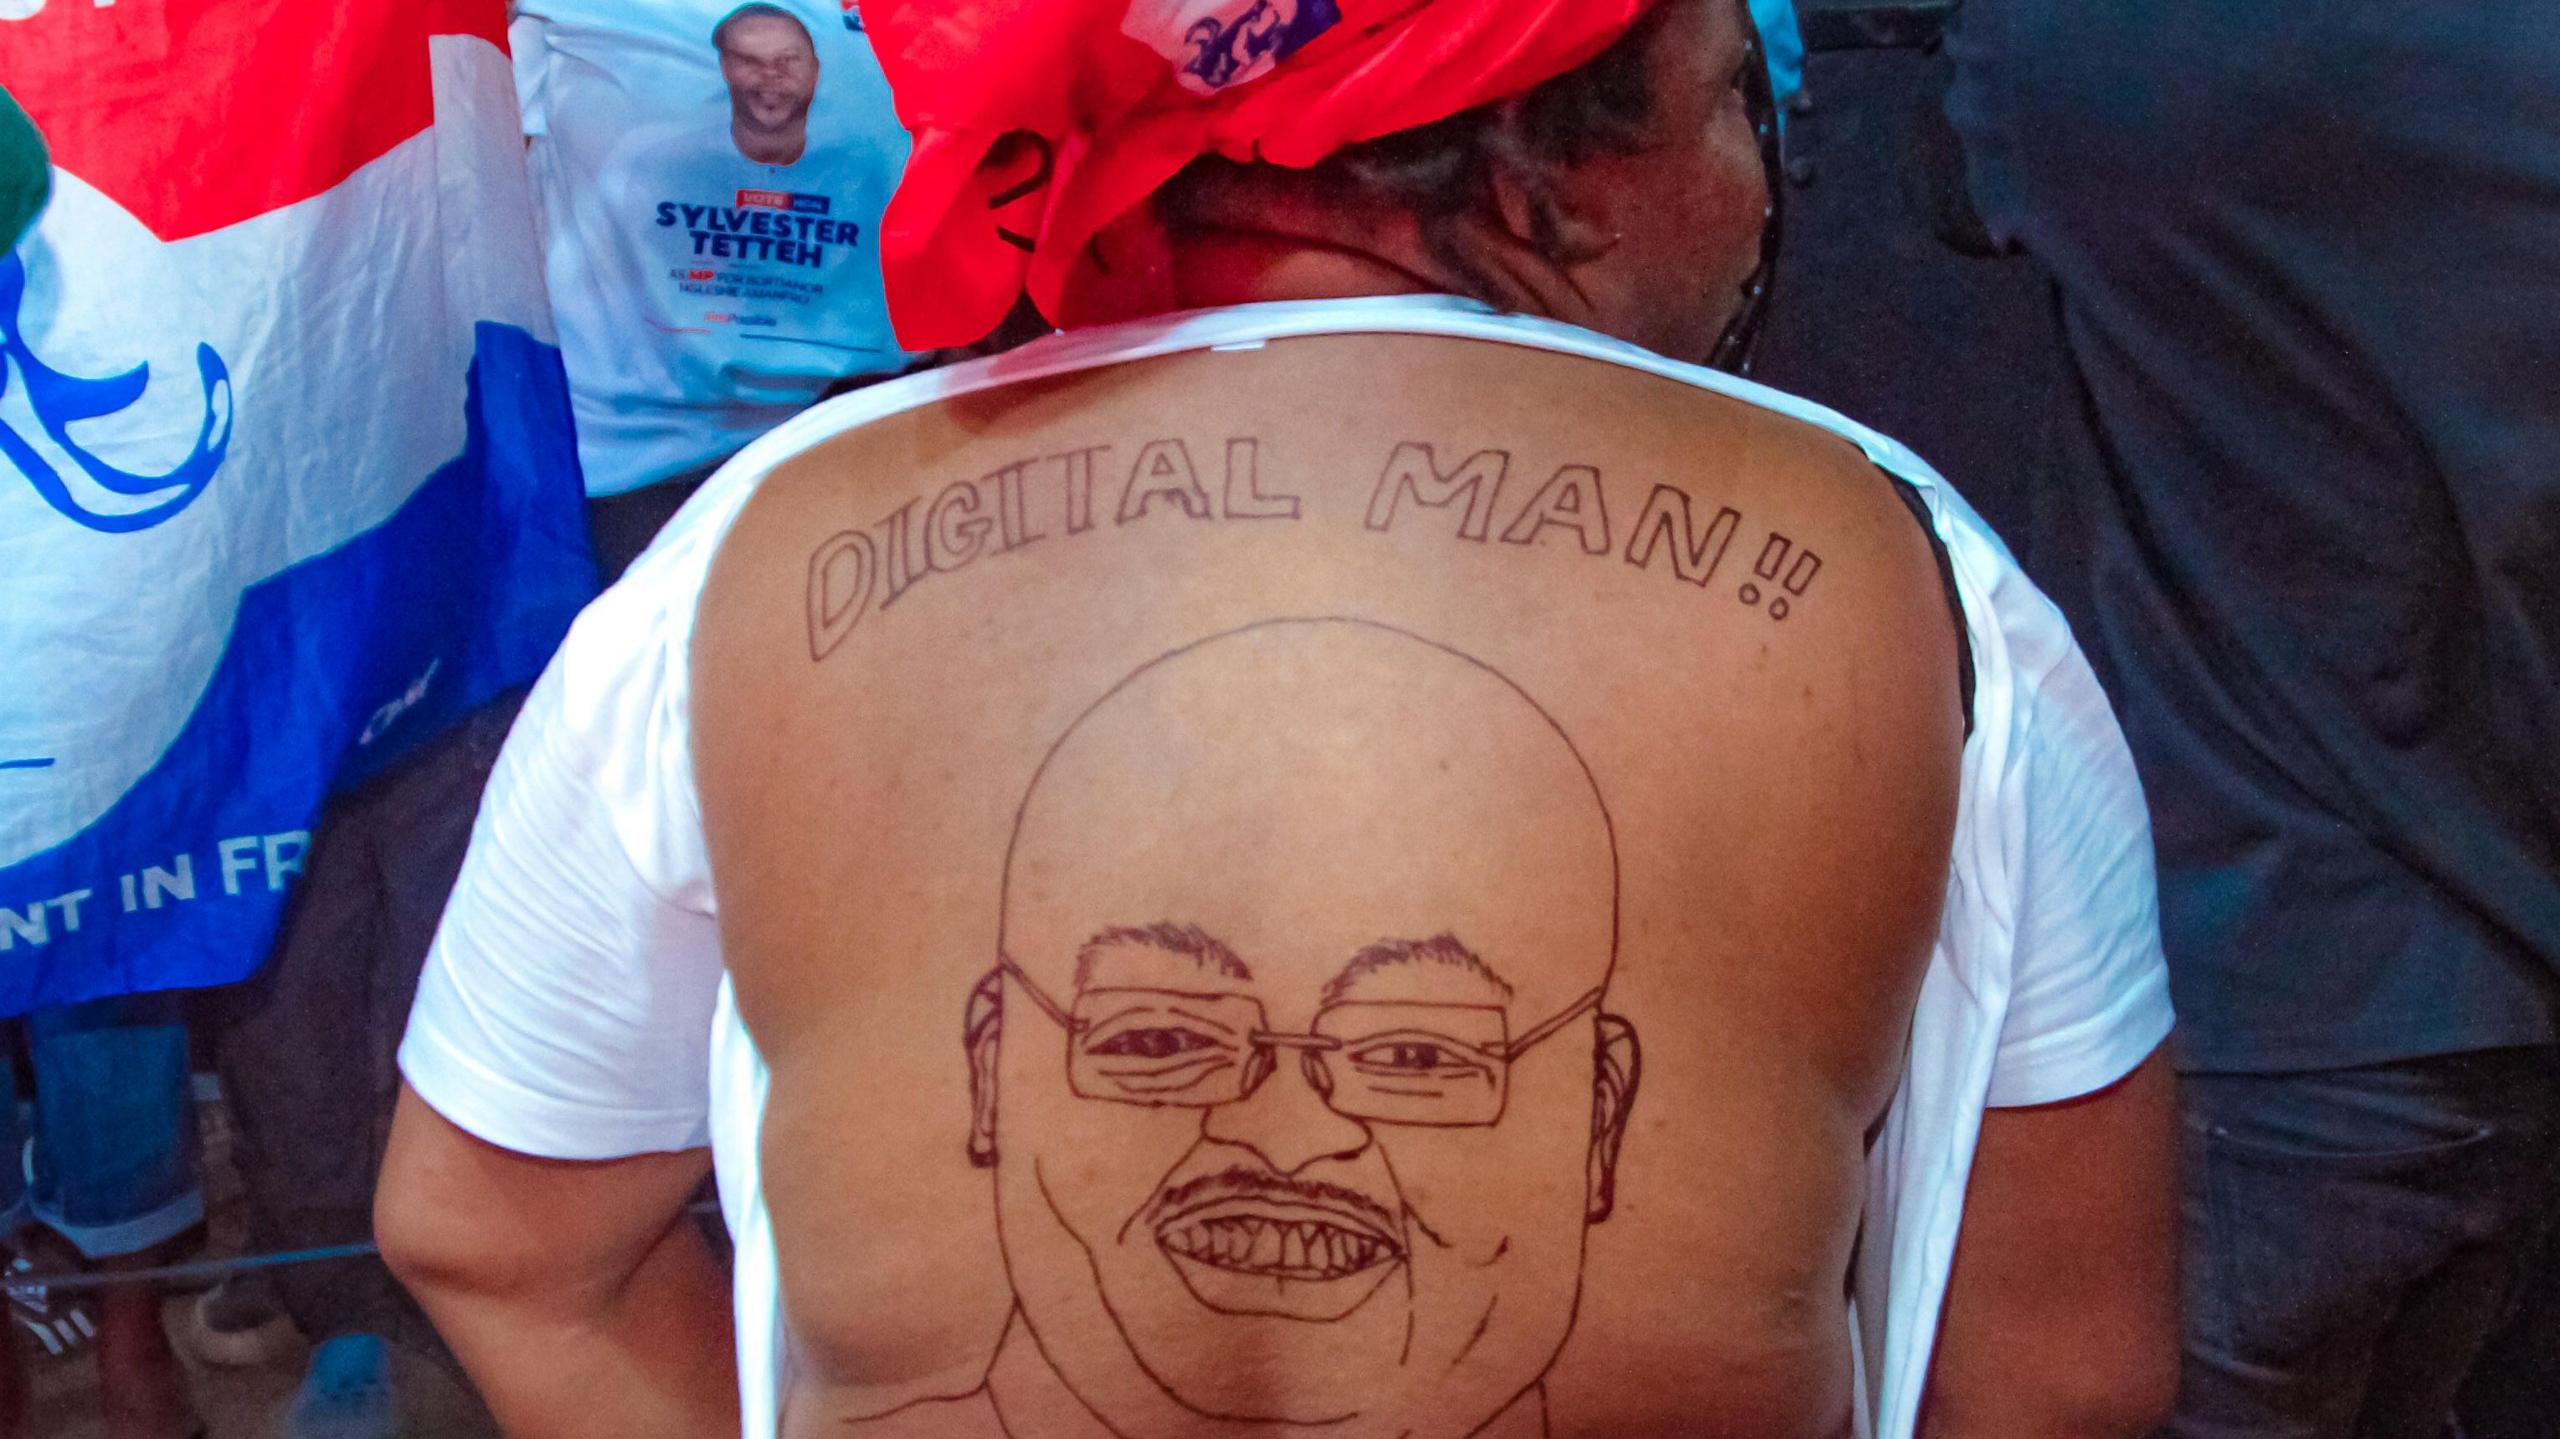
1239	1182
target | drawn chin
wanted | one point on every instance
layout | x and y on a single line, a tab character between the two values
1286	1261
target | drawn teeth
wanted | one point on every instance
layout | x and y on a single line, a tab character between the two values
1298	1248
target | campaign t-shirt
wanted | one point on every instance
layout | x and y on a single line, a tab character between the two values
705	294
576	1003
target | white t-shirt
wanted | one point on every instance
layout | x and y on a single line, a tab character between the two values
703	297
575	1005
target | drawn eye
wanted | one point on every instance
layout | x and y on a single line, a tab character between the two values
1414	1058
1153	1044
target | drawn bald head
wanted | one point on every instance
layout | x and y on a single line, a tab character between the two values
1306	930
1321	786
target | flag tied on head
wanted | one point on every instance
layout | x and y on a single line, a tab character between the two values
1042	126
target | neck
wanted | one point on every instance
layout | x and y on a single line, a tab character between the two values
1241	267
768	147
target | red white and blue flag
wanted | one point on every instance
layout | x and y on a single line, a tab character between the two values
286	473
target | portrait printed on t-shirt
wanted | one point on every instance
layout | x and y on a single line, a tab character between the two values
711	176
769	62
761	197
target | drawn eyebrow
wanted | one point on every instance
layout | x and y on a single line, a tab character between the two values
1441	949
1188	940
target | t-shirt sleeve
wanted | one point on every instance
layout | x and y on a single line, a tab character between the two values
566	1006
2089	996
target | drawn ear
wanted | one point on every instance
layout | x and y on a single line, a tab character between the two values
1617	1062
983	1035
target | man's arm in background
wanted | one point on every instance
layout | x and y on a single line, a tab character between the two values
581	1296
2061	1320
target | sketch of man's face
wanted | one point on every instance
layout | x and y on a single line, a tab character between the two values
1307	930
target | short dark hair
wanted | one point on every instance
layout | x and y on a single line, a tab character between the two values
753	10
1444	172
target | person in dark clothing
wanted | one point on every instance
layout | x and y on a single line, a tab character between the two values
2305	512
305	1053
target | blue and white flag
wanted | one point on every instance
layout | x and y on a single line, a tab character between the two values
286	474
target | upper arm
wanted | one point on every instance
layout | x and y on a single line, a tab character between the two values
577	1293
567	1001
565	1012
2061	1311
2089	987
559	1051
2061	1316
458	1213
558	1060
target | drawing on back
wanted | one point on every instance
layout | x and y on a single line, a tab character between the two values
1294	1074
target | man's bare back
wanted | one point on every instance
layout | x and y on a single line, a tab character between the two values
1372	885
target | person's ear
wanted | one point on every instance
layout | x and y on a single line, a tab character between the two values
1555	212
983	1034
1617	1062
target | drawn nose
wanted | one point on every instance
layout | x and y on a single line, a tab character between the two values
1286	1122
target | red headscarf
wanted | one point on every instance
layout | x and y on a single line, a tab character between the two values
1041	126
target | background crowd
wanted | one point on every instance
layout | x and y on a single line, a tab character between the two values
2241	323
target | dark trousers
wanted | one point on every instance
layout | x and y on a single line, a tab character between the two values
2514	1391
621	526
308	1049
2354	1237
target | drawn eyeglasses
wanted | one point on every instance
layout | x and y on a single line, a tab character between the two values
1432	1065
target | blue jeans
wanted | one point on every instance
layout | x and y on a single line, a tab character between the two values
112	1162
2353	1236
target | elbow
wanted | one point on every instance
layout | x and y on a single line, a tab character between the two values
440	1255
441	1234
419	1247
455	1263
